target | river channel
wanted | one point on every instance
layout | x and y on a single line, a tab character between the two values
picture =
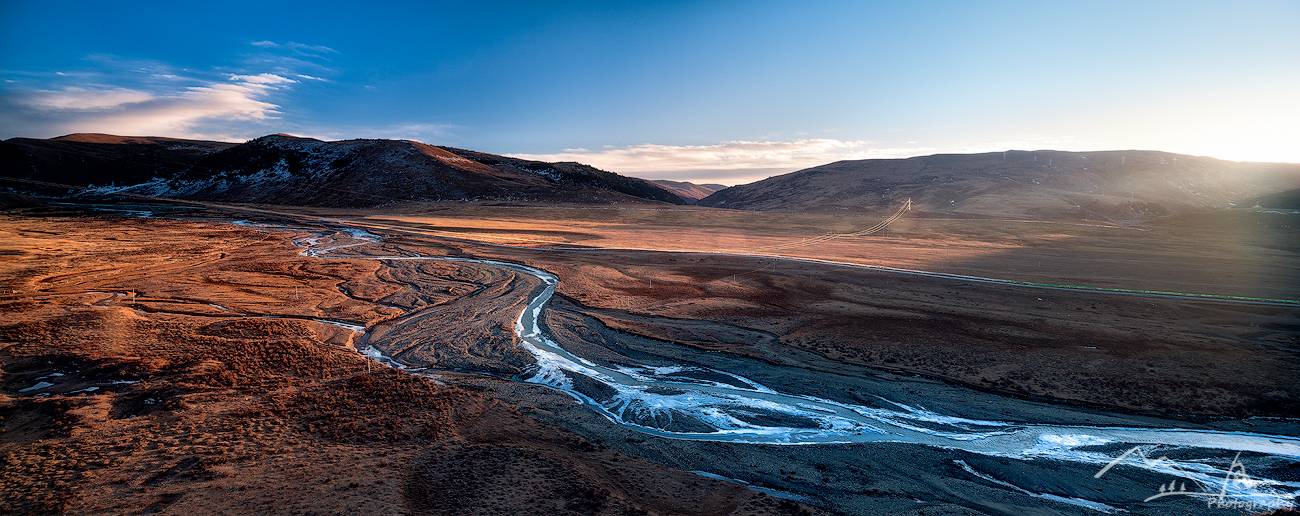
690	402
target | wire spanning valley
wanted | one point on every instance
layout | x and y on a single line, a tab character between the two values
907	206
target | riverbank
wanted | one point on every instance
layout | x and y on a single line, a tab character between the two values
247	282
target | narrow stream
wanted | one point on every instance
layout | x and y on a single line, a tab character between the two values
689	402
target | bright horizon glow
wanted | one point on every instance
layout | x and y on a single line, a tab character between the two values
727	163
724	92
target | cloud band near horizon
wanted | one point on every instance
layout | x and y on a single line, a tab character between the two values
725	162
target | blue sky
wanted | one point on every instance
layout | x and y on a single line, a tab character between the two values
706	91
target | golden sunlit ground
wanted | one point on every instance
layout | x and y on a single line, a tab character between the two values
1249	253
161	366
215	390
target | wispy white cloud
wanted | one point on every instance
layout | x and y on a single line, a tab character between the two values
143	97
294	46
732	162
201	111
721	177
311	62
424	133
313	48
262	78
733	155
84	99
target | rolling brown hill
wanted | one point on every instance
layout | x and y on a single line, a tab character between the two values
1110	185
85	159
283	169
690	192
1288	200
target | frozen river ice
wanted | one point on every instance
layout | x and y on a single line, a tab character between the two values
696	403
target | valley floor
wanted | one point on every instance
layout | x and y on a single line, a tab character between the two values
189	370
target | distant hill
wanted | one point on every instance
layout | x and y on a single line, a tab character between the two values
1110	185
283	169
100	159
690	192
1288	200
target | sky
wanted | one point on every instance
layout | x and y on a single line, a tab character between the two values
709	92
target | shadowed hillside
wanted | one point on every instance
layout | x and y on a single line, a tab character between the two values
101	159
1288	200
282	169
1110	185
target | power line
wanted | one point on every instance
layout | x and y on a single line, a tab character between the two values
907	206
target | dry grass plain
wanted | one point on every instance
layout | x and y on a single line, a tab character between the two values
215	391
186	375
1151	354
1252	253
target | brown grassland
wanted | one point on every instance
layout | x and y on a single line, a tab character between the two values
190	375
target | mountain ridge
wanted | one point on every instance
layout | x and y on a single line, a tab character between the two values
688	191
1122	186
285	169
